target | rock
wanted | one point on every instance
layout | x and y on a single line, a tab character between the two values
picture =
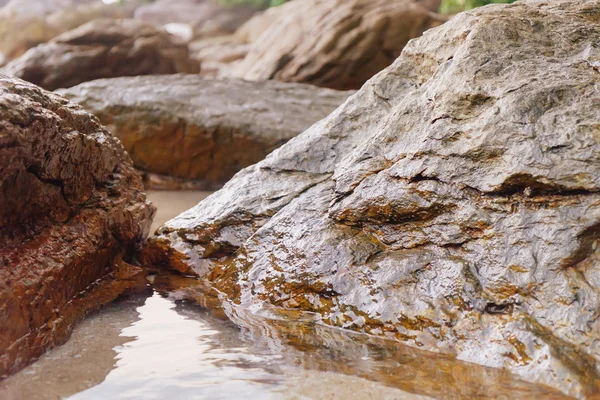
453	203
206	18
25	24
71	214
187	127
338	44
103	48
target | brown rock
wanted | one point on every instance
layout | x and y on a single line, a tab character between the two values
26	23
102	48
188	127
338	44
453	203
71	210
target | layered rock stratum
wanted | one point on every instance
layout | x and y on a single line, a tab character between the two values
103	48
72	213
190	128
338	44
452	203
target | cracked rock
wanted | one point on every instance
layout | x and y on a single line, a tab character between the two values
453	203
72	213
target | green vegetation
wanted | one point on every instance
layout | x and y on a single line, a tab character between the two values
454	6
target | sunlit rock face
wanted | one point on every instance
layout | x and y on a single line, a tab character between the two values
103	48
338	44
452	203
71	214
190	128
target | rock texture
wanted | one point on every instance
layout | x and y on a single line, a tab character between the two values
103	48
71	210
337	44
186	127
453	203
27	23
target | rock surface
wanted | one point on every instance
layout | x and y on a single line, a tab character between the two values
71	210
27	23
103	48
187	127
337	44
453	203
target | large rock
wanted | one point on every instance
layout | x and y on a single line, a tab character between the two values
337	44
71	212
187	127
453	203
26	23
103	48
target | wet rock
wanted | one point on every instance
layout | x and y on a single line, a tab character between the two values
25	24
103	48
337	44
188	127
453	203
71	214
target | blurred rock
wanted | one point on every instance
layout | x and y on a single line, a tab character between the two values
338	44
453	203
27	23
186	127
71	212
207	19
103	48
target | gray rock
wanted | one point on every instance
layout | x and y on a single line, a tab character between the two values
187	127
452	203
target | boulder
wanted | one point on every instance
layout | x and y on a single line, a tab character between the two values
453	203
72	212
25	24
103	48
187	127
338	44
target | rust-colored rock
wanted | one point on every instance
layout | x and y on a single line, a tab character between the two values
338	44
71	212
187	127
103	48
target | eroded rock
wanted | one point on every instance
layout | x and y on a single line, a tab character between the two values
187	127
453	203
103	48
337	44
71	214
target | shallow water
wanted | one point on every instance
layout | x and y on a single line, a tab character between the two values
181	341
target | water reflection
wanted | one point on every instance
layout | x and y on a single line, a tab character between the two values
173	356
173	347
